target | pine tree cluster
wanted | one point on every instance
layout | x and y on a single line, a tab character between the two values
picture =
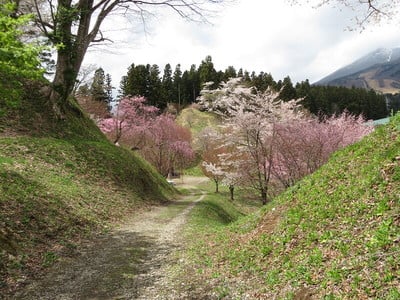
182	88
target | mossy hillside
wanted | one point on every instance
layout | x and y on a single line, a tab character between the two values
34	115
52	190
60	178
334	235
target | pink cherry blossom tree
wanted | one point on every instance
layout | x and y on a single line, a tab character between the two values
303	146
214	172
130	121
212	148
168	145
220	159
158	138
270	143
251	117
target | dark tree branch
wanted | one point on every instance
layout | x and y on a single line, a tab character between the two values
41	23
375	10
101	38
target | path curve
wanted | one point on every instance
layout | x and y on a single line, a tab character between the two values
131	262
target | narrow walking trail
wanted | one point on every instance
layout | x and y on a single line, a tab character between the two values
131	262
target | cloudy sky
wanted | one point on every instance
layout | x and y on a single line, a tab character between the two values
256	35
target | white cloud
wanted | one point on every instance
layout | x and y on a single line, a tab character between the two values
269	36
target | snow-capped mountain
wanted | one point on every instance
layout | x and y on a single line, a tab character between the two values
379	70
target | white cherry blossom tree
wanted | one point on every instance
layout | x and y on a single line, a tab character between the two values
251	117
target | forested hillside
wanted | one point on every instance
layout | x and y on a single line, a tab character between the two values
181	88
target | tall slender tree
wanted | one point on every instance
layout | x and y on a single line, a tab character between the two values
178	85
287	92
207	72
195	83
98	87
153	82
109	91
167	85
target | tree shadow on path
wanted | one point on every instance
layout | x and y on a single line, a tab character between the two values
116	266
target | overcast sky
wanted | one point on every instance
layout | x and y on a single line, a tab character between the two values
256	35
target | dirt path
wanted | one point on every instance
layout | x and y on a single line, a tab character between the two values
131	262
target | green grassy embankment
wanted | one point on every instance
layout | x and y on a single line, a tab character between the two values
60	180
197	120
207	222
334	235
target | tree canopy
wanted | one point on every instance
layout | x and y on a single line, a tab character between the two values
18	61
183	87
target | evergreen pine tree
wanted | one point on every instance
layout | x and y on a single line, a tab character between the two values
177	83
194	83
230	72
135	83
167	85
109	88
288	92
207	72
98	87
154	87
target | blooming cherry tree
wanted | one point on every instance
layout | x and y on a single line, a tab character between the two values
168	145
214	172
303	146
158	138
251	117
220	159
271	143
132	117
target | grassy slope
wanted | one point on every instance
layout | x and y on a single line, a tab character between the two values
196	120
61	179
335	234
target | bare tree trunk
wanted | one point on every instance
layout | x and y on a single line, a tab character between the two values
264	197
231	190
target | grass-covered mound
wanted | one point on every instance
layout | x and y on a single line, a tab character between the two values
334	235
34	115
197	120
60	179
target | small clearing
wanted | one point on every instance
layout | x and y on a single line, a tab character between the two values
130	262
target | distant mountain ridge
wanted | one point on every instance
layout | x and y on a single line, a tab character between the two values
378	70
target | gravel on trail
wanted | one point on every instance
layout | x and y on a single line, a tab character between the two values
132	261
